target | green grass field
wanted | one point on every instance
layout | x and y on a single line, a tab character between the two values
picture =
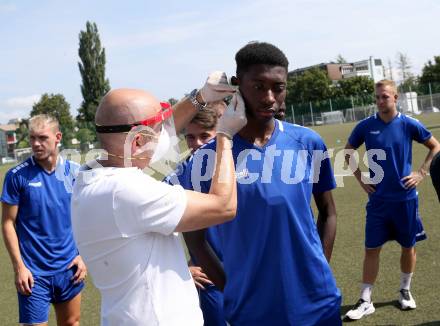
347	254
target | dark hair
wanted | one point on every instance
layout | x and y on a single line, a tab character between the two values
255	53
206	118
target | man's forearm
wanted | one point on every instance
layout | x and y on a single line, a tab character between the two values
205	257
222	184
11	242
434	147
354	166
358	174
183	112
424	168
327	233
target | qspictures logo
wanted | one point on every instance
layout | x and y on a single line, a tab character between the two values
290	166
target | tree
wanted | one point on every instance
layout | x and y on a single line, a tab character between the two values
56	106
404	66
356	86
85	136
92	68
359	87
22	134
340	59
431	75
410	84
313	85
390	70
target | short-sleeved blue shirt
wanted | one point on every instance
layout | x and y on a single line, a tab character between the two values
276	270
43	221
395	139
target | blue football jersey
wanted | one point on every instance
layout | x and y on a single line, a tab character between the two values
43	221
395	140
276	270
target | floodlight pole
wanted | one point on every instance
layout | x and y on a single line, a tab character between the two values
311	113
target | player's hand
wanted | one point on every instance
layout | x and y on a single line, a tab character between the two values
234	118
368	188
412	180
24	281
81	269
216	87
220	107
199	277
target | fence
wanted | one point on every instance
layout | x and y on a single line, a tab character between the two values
428	102
22	154
353	109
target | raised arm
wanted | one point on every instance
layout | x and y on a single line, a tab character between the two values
219	206
215	89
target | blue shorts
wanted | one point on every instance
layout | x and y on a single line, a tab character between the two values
211	304
398	221
56	288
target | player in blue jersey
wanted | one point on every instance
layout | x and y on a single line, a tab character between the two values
37	230
201	129
392	209
274	255
198	132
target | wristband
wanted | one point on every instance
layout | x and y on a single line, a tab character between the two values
193	98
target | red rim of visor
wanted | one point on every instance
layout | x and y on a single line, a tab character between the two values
164	114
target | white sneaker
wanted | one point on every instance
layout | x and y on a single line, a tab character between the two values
406	300
360	309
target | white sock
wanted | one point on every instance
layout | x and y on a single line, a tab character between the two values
366	292
405	280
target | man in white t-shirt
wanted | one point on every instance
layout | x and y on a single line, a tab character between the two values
125	222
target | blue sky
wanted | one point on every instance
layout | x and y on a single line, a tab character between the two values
169	47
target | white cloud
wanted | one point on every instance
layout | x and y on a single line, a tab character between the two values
22	102
17	107
6	115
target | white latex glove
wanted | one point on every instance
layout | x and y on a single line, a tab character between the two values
234	118
216	87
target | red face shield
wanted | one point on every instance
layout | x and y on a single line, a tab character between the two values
161	116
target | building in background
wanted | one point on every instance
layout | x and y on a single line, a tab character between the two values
8	142
10	137
333	70
3	144
371	67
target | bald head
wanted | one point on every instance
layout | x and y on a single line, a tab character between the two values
126	106
121	107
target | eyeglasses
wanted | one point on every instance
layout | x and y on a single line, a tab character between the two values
164	114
